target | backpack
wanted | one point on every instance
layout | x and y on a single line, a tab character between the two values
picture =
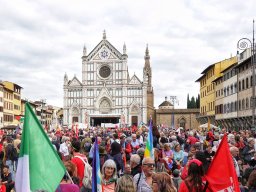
87	180
12	152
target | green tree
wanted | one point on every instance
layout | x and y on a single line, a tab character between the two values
198	102
193	102
188	102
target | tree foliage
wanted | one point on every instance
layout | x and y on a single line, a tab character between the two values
193	102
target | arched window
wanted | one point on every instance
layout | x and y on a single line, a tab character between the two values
243	84
231	89
239	86
247	103
105	106
247	83
243	104
182	123
239	105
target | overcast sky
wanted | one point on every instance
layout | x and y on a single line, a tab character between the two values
41	40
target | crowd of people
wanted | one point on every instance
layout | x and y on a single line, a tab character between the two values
181	158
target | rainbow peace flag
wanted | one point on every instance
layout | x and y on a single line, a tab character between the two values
149	152
96	175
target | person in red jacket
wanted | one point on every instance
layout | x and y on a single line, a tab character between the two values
194	181
191	139
128	149
79	160
2	188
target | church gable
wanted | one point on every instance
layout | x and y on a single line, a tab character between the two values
74	82
104	50
135	80
105	53
104	93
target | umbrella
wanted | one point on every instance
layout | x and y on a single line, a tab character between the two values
206	126
10	127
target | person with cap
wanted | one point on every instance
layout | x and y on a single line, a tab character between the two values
104	156
86	144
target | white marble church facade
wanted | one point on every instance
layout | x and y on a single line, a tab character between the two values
107	93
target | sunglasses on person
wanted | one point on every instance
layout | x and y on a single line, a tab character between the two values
149	164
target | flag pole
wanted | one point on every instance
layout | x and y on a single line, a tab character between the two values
69	177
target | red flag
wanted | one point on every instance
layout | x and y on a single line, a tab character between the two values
76	130
221	175
17	117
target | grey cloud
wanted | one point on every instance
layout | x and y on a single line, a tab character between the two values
41	40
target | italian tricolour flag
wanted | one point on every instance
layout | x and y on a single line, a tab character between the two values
39	166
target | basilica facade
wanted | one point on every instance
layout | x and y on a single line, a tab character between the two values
107	92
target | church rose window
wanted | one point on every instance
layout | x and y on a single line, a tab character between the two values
104	71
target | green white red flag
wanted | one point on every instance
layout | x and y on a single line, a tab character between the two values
39	166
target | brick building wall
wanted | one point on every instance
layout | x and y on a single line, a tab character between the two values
182	117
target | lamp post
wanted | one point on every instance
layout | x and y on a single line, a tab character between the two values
244	44
174	100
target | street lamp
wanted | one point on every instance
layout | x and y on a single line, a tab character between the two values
174	100
244	44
